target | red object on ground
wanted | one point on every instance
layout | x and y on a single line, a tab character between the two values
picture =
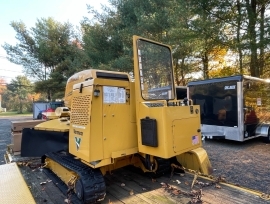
48	110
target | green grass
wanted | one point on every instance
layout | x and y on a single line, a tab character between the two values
15	113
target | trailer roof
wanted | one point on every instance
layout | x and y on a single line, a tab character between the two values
223	79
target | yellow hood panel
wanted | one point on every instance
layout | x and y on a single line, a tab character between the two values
57	125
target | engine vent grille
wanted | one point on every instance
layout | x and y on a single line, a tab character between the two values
80	110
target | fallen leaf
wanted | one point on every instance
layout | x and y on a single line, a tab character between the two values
193	191
164	185
131	192
175	192
42	183
178	182
265	196
122	184
186	183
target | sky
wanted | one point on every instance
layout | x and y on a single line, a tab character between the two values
28	11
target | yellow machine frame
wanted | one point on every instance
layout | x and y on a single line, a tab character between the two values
108	135
111	123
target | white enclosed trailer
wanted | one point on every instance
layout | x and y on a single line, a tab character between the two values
234	108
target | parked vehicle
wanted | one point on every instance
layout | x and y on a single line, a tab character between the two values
234	108
48	107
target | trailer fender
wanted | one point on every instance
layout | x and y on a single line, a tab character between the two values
263	130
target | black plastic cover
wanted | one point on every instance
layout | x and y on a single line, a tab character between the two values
149	132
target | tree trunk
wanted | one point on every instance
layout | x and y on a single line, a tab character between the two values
261	64
240	54
182	72
49	97
205	61
251	10
176	74
20	106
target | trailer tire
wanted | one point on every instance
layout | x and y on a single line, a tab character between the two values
39	116
267	139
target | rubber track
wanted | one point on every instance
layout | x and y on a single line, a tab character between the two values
92	179
61	185
164	166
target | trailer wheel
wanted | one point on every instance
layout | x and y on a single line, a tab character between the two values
79	189
39	116
267	139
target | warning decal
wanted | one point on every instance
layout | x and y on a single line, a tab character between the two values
114	94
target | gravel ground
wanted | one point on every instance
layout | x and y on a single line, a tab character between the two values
242	163
5	133
4	137
245	164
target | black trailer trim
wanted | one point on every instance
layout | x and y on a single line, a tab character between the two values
209	81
